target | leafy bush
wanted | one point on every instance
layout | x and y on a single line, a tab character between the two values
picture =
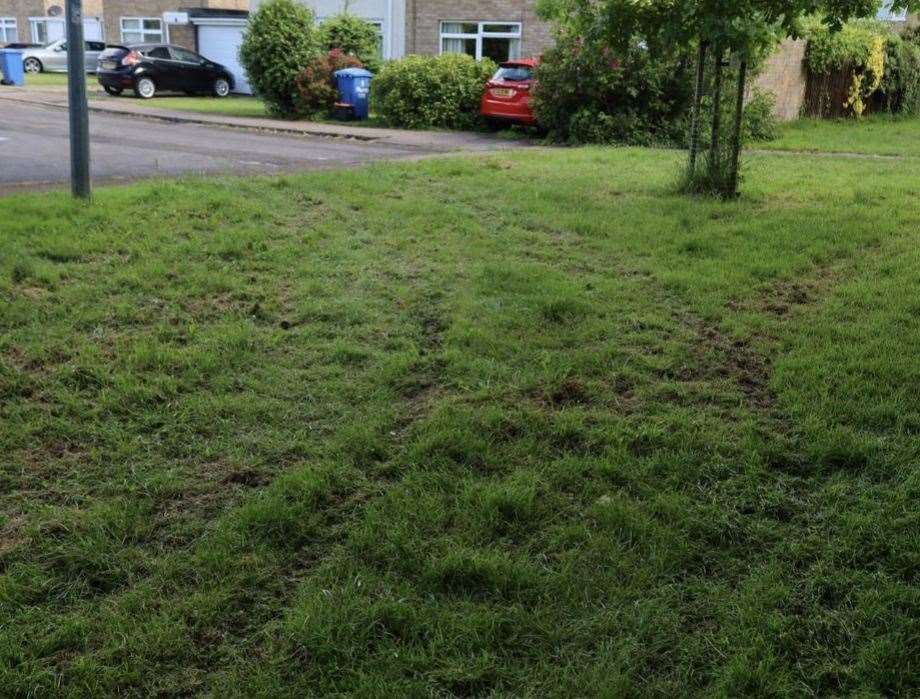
759	119
900	88
584	94
353	36
851	60
316	88
420	92
278	42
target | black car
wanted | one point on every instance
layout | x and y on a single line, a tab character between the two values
149	68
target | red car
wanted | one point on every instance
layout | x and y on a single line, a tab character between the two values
507	95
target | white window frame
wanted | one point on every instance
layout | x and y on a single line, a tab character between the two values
33	28
164	30
9	24
480	34
886	15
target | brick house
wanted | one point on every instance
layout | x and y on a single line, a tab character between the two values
498	29
112	21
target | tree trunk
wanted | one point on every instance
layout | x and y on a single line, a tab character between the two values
716	116
697	106
736	136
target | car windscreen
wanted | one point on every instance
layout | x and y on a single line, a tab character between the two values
515	73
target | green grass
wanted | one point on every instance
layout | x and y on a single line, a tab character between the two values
235	105
238	106
877	134
528	425
50	79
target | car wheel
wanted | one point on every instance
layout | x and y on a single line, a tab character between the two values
221	87
114	91
32	65
145	88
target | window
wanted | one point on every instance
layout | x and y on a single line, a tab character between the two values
185	56
141	30
8	30
40	31
500	41
158	52
886	13
95	46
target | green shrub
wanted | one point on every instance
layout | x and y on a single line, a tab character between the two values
856	54
278	43
759	120
353	36
420	92
899	92
585	94
316	88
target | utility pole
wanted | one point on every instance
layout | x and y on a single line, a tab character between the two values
76	95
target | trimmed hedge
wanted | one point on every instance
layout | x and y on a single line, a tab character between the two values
423	92
279	41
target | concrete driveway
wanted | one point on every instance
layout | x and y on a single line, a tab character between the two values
129	144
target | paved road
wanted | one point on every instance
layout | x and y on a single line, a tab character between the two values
34	150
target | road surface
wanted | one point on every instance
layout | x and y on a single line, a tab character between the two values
34	150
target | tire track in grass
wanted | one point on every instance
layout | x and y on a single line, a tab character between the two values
260	552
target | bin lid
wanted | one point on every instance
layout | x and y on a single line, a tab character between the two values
353	73
12	52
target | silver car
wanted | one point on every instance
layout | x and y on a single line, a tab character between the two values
53	57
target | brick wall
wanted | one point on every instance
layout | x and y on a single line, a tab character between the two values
784	75
424	17
180	35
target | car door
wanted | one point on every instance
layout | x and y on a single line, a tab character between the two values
164	67
191	69
55	56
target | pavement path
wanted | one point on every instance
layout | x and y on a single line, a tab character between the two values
130	141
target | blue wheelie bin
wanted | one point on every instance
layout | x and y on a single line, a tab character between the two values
354	90
11	67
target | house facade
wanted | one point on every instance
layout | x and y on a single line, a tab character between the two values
497	29
112	21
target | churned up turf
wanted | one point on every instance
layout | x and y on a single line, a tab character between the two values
529	425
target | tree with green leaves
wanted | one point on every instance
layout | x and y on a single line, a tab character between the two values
720	30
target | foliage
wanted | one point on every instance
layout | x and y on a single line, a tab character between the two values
316	87
854	45
587	94
420	92
899	92
279	41
742	28
353	36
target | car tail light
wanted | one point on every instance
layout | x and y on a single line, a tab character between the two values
133	58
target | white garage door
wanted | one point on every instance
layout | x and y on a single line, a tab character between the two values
221	44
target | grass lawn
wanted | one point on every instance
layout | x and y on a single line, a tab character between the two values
876	134
51	79
528	425
234	105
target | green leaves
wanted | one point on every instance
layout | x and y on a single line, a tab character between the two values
279	41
